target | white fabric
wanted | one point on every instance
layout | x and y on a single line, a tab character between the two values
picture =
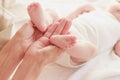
103	67
65	59
101	28
93	27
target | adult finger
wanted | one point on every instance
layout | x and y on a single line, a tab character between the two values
51	30
67	27
60	27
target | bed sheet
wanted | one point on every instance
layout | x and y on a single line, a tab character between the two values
103	67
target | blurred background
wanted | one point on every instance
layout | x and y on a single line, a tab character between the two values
63	7
18	8
15	11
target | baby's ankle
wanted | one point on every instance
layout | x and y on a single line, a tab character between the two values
50	16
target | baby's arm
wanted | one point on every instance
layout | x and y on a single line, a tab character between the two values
80	10
82	52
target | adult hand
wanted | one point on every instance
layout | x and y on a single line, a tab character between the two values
57	28
13	52
41	52
29	34
15	49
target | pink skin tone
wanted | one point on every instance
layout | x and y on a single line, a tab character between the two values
37	21
37	17
64	39
55	33
80	10
41	52
115	10
85	48
118	1
27	46
36	14
90	48
117	48
34	47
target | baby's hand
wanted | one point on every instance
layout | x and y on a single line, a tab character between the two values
86	8
80	10
117	48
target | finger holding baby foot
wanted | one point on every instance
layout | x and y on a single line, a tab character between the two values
44	40
63	27
67	27
58	28
63	41
51	29
35	12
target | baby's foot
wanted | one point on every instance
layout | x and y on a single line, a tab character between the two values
35	12
63	41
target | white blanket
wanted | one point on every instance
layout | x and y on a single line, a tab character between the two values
103	67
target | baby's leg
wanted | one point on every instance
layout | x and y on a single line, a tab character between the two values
38	17
50	16
79	52
63	41
80	10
